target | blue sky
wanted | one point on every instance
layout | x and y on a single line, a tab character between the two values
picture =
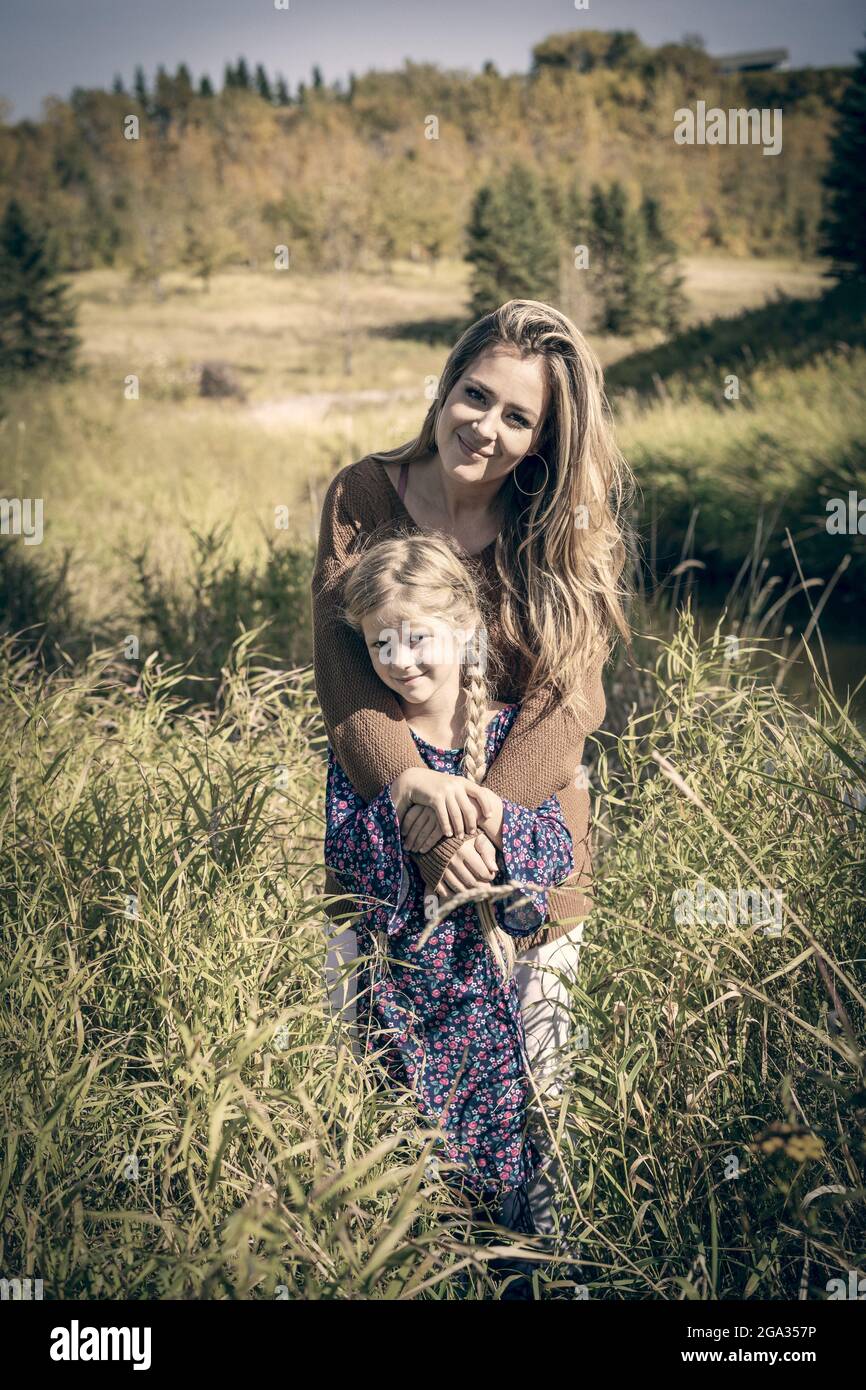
49	46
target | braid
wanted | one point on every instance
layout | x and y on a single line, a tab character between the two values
474	766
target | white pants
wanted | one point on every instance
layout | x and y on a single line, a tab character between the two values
543	997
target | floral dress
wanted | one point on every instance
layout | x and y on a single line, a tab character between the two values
450	1027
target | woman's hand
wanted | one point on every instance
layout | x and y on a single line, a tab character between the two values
420	829
453	800
472	864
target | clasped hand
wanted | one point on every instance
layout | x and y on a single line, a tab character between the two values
431	805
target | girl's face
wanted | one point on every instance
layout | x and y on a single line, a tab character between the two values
496	410
417	657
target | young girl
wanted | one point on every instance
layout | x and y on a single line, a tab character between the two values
439	997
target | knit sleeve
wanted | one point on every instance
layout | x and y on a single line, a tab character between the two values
540	755
362	717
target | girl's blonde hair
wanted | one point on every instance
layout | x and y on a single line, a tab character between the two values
562	550
425	575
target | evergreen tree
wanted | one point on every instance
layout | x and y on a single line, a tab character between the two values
205	87
283	97
318	80
513	244
668	302
263	86
242	75
140	87
353	82
37	323
638	284
118	87
842	226
229	79
302	93
183	80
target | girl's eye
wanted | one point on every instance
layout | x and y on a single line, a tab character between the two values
522	422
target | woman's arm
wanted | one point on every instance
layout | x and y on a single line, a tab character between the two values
365	724
540	755
363	719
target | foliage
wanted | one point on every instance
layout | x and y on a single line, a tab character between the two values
37	322
845	181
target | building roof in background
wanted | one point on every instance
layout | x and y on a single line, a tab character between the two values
762	59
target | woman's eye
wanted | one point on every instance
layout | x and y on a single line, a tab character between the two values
522	423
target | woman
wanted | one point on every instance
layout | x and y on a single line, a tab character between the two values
516	461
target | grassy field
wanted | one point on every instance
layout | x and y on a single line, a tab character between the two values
119	474
180	1121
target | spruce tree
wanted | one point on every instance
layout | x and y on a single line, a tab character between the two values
668	303
242	75
140	87
205	87
37	323
283	97
842	226
263	86
513	242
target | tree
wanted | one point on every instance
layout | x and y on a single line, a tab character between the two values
513	244
635	261
140	87
668	302
205	87
37	323
318	80
118	87
242	75
283	97
845	183
263	86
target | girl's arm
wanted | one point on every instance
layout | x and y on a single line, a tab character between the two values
536	849
363	848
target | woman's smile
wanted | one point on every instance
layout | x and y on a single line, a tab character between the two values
470	453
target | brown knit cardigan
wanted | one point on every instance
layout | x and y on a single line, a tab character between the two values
367	729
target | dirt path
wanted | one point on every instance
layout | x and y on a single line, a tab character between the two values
314	407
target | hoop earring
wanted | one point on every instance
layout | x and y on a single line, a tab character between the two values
521	490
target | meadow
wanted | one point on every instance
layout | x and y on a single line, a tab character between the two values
181	1119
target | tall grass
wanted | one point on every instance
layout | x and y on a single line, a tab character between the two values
179	1119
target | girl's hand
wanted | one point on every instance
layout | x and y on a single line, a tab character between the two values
492	814
454	800
420	829
472	863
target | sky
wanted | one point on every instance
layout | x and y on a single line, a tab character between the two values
47	47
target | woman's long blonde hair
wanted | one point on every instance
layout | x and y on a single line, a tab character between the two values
426	575
562	551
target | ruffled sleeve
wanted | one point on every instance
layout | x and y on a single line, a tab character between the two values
537	850
363	848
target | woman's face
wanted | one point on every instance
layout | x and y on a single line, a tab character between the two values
417	657
497	409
